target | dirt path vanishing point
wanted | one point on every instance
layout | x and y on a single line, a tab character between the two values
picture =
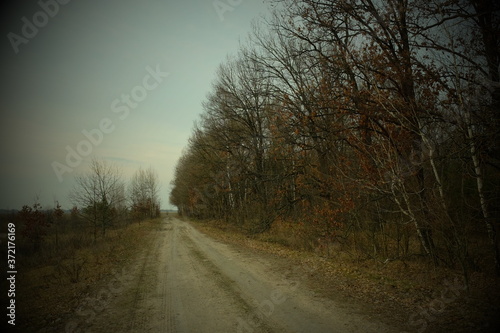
187	282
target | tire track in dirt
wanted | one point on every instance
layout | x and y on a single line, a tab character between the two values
143	298
138	312
166	313
226	286
172	254
202	300
153	310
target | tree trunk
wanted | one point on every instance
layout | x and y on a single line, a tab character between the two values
490	227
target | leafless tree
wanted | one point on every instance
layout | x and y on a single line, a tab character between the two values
99	194
144	193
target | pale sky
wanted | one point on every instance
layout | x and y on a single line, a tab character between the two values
73	73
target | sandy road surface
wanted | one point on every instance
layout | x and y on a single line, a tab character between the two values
188	282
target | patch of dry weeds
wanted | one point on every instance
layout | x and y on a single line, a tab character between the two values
51	290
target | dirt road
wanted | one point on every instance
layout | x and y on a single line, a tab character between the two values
187	282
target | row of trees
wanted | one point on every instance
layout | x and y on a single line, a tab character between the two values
351	116
100	200
101	197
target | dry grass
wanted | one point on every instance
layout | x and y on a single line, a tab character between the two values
54	280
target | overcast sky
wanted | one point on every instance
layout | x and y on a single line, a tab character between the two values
135	72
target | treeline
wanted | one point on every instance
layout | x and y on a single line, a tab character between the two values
101	200
366	122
